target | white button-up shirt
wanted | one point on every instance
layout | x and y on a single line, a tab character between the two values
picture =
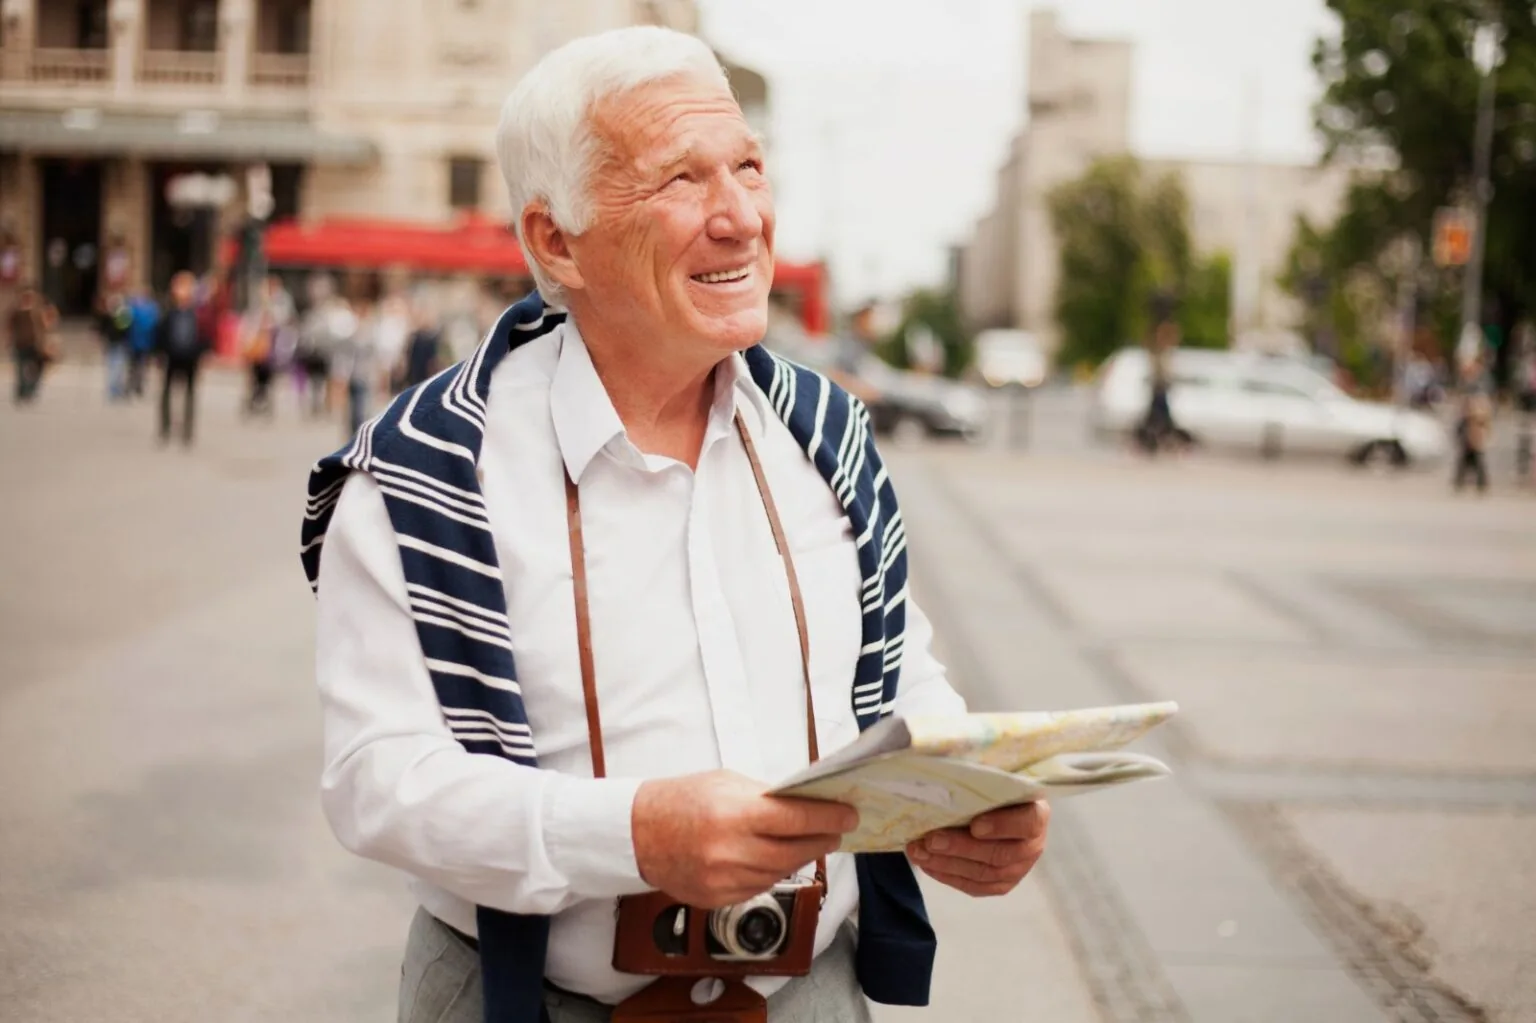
694	642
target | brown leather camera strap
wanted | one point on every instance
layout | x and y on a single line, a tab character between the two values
584	620
584	628
782	543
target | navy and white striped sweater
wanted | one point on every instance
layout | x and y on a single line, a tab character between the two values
424	450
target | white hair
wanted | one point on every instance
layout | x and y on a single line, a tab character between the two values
545	144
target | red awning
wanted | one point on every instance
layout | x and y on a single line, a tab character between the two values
473	245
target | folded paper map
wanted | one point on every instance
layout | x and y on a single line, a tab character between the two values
908	776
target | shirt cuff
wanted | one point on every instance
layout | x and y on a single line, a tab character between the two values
589	836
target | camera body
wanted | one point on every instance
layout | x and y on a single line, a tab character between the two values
772	934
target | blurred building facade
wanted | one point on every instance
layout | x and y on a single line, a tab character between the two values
1079	93
134	132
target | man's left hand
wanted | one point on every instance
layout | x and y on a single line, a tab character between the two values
988	857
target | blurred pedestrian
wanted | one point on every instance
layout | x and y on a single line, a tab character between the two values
392	333
1525	401
1158	428
1421	382
1473	428
114	320
285	339
212	298
141	337
357	365
423	354
271	314
1525	369
328	319
31	324
182	339
461	323
256	351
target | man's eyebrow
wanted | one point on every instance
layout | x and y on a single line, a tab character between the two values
681	157
674	159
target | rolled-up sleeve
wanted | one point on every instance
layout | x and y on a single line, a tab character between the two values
398	788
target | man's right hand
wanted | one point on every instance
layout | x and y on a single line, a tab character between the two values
718	838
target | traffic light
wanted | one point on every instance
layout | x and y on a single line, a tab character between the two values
1453	236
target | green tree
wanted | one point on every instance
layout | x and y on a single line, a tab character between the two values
1339	302
1205	313
1125	249
1399	79
939	311
1095	220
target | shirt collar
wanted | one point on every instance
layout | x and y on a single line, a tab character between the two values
586	422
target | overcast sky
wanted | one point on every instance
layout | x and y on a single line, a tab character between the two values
891	116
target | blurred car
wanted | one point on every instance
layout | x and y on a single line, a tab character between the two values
907	404
900	403
1269	404
1010	358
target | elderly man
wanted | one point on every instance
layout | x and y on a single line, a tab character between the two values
584	595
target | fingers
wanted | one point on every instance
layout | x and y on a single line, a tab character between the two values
991	865
786	817
756	865
955	844
968	869
716	838
716	896
783	857
1025	821
982	889
763	861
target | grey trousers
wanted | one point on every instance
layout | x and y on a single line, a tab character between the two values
440	983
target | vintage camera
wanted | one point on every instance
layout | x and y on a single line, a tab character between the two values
752	930
771	934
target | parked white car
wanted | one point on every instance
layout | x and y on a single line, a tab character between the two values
1272	405
1010	357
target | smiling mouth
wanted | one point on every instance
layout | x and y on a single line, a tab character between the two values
724	276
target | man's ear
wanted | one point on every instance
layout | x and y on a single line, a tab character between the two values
547	245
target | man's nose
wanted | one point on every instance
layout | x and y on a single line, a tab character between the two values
733	211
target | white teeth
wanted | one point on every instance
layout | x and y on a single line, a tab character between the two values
723	276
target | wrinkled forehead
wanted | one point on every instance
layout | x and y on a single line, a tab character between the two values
651	125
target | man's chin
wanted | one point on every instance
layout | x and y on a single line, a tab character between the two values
736	332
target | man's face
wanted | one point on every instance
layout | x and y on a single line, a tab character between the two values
680	247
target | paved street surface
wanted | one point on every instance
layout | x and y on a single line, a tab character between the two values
1346	836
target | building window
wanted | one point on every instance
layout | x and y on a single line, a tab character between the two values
282	26
464	182
285	27
287	187
200	26
91	25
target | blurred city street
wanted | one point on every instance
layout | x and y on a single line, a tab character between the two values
1176	321
1352	655
1344	837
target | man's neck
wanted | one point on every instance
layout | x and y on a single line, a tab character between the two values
663	405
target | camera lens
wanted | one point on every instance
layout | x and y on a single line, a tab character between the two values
754	929
759	932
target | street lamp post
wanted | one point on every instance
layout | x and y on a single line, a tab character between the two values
259	205
1407	312
1486	54
202	197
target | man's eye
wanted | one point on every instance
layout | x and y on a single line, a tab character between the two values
680	176
752	165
